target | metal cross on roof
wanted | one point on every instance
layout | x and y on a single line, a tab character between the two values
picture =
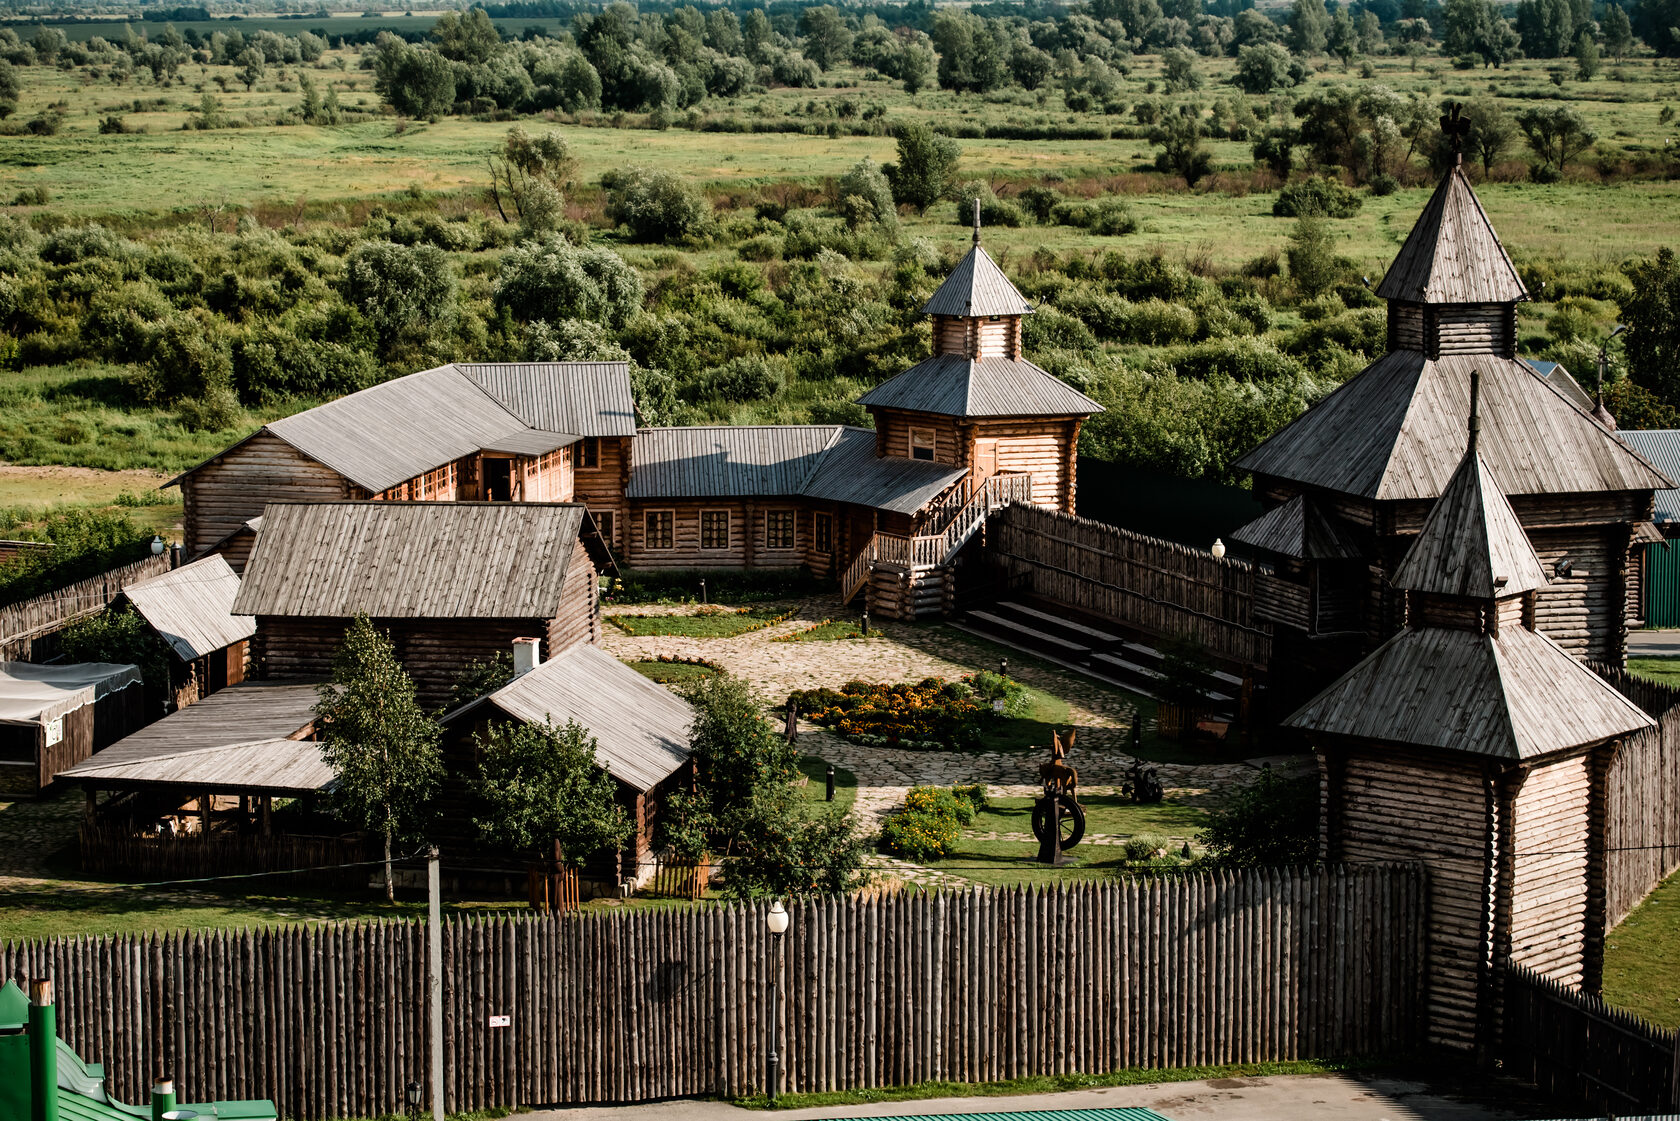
1457	127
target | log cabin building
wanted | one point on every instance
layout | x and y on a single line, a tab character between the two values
1350	483
970	428
1473	742
191	609
452	583
54	716
641	735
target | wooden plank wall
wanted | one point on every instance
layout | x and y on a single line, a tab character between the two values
330	1021
1642	798
1549	891
1578	1049
21	624
1157	586
225	493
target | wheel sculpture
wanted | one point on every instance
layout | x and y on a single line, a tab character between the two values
1058	821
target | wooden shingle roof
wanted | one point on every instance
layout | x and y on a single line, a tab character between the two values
1471	544
953	385
191	607
1452	255
244	738
438	560
826	461
1396	431
640	728
1517	695
391	432
1298	529
977	287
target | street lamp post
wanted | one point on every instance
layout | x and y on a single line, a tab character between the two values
777	920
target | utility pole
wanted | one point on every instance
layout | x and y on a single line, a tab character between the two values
434	974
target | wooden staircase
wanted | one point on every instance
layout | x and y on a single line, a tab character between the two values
947	528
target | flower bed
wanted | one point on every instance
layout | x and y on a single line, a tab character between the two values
931	713
928	824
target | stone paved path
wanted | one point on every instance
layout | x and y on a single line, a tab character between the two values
897	652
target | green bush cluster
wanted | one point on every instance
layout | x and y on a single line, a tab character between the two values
930	822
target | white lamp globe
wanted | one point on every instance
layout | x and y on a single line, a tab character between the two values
777	918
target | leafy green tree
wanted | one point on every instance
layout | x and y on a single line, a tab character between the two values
1179	136
1275	149
1491	132
1262	68
1618	31
1309	25
1312	257
656	205
540	786
467	36
1178	68
926	168
48	42
1557	135
916	66
414	81
1271	822
1343	37
552	279
1658	23
827	39
1030	66
402	289
251	67
1477	27
865	182
1586	57
1652	312
480	678
381	745
532	172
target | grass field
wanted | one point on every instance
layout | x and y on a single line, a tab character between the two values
715	622
829	631
1665	670
672	673
815	789
1642	958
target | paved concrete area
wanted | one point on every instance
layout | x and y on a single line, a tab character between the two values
1284	1098
1654	644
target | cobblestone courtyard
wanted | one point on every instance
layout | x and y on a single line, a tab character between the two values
897	652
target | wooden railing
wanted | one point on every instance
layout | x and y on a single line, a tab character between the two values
55	610
945	530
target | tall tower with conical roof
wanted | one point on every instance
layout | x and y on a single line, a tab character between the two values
1375	455
1476	745
977	402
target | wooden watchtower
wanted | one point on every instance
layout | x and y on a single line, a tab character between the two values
1371	459
1474	743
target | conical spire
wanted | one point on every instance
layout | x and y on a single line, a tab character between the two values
1472	544
977	287
1453	256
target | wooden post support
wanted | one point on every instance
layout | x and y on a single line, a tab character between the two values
434	976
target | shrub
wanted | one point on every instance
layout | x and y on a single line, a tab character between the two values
1312	257
995	687
1152	322
865	181
1142	847
553	279
399	289
656	205
86	543
216	410
751	377
975	794
1038	201
1242	359
993	210
1109	217
919	835
1316	198
926	166
1272	821
1384	184
1050	329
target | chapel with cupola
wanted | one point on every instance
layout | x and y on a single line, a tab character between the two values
1349	484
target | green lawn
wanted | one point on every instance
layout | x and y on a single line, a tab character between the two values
1642	958
1665	670
827	631
1104	813
816	790
672	673
716	622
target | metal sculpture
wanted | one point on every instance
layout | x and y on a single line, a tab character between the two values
1058	820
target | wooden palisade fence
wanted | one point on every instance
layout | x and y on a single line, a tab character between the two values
1157	586
22	623
878	991
1642	798
1578	1049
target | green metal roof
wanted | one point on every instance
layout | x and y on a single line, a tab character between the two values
14	1007
1106	1113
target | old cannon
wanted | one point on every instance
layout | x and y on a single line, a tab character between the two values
1058	820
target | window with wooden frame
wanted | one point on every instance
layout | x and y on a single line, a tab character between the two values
714	529
778	529
922	443
659	528
589	452
606	521
822	532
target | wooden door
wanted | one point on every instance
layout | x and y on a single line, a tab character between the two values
985	460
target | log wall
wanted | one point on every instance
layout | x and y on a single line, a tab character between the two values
1550	865
579	619
1642	798
746	548
1443	813
225	493
331	1021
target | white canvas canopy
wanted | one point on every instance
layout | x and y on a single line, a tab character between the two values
33	694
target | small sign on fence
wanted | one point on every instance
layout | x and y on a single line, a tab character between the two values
501	1021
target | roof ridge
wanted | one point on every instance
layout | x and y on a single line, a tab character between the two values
818	459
